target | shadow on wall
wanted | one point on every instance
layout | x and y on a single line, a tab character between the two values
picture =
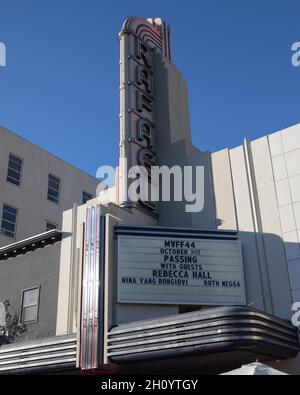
272	280
29	284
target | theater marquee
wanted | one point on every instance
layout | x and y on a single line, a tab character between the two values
157	270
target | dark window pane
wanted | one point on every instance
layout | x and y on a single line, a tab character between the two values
8	234
53	188
52	192
9	217
9	209
50	226
52	199
53	179
53	185
8	224
13	174
86	197
16	160
13	181
14	170
15	166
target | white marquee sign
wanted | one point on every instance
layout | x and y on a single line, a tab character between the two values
157	270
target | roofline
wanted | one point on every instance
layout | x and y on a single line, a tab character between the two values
294	125
48	152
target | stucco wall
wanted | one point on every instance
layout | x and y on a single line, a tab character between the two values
285	154
257	192
30	198
174	146
37	268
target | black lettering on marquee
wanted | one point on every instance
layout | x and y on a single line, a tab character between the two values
202	275
179	244
211	283
148	281
173	282
128	280
180	268
231	284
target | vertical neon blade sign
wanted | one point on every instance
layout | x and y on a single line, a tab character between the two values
140	39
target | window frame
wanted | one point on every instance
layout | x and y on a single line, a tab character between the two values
21	172
16	223
87	193
21	321
55	226
59	189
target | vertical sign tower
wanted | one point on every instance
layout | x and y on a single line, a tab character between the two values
140	39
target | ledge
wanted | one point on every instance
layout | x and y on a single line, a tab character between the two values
31	244
156	231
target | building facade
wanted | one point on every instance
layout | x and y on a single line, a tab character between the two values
257	191
148	286
36	188
30	297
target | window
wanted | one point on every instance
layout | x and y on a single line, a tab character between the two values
30	305
53	188
50	226
14	170
86	197
9	220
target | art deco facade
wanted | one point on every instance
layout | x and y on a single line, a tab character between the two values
98	295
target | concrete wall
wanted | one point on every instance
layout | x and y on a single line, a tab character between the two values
174	146
257	192
34	209
37	268
285	154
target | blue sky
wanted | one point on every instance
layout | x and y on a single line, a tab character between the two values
60	87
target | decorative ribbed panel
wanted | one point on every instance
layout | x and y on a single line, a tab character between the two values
204	332
43	354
